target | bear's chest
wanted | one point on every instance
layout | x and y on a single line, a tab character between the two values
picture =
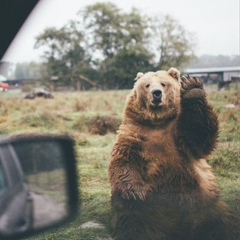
160	153
158	145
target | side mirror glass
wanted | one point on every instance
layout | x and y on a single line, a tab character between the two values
38	184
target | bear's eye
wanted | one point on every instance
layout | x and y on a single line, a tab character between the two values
148	85
163	84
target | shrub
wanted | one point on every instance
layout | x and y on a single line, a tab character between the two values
103	124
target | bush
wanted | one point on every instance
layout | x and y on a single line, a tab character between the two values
103	124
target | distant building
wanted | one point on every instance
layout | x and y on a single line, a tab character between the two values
223	73
222	76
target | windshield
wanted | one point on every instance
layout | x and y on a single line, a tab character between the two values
71	69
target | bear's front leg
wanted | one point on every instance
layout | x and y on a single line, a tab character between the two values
198	124
126	173
127	179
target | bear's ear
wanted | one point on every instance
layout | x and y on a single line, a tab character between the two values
173	72
140	74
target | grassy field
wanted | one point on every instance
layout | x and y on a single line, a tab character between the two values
92	119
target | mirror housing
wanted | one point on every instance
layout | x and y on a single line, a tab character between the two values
38	184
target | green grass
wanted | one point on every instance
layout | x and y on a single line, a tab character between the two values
74	113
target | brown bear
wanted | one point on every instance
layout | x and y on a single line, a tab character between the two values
162	187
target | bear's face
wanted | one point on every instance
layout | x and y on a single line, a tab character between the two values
156	95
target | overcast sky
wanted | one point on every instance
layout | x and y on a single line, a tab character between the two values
215	23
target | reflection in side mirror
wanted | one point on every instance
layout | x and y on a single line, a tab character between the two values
38	183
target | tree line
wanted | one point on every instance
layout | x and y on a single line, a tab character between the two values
105	47
208	61
108	46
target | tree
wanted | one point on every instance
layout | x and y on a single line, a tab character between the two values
65	55
123	67
109	30
174	45
117	42
102	24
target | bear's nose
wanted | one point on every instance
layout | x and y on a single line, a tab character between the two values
157	94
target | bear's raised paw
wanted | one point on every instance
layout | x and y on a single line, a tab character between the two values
191	87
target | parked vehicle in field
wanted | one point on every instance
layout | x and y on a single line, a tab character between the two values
4	87
39	92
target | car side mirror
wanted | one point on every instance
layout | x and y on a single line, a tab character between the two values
38	184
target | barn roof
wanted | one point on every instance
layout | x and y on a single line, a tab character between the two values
213	70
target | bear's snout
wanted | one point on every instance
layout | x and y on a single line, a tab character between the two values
157	96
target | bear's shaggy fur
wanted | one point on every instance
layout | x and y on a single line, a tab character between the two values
162	186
